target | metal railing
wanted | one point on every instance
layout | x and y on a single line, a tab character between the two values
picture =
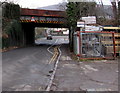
96	45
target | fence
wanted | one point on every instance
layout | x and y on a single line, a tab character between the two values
94	44
116	30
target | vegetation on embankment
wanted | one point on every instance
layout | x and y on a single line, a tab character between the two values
12	35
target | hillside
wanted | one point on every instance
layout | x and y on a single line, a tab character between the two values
58	7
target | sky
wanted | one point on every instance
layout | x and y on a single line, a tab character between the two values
42	3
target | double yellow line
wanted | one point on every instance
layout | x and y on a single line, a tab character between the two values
55	55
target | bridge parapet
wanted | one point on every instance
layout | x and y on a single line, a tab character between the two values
42	16
40	12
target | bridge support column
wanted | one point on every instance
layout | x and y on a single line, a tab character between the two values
28	33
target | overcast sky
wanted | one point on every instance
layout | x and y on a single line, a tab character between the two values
41	3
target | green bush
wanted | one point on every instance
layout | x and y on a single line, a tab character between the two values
11	26
14	32
11	11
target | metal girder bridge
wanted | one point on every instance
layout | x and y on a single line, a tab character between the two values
42	16
31	18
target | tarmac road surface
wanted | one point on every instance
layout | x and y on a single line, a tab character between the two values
27	69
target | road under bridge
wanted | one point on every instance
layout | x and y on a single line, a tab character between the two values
31	18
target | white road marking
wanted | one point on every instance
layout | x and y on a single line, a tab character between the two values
48	49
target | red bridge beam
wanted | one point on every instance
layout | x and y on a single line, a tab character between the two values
39	12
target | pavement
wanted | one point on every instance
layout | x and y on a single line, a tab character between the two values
89	75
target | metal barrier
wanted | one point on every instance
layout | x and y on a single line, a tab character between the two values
96	45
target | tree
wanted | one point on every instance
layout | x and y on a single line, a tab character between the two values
12	34
74	11
115	12
72	17
87	8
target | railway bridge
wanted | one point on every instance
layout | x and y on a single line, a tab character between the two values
31	18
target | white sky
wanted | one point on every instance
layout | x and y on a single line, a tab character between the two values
41	3
38	3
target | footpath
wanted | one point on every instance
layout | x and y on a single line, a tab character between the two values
89	75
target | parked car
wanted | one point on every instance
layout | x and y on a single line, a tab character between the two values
49	37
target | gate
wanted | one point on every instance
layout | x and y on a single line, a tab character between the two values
96	45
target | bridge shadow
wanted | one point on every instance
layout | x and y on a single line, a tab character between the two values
29	31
